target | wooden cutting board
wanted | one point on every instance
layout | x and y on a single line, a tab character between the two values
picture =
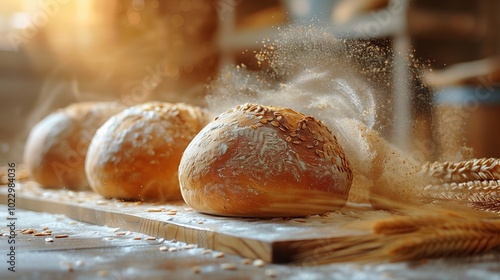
275	240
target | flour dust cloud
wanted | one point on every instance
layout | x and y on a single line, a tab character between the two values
310	71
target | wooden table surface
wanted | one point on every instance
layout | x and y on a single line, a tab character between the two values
110	247
101	252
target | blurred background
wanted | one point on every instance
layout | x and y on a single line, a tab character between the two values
442	86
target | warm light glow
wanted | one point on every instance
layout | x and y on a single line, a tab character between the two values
66	25
177	20
84	12
20	20
133	16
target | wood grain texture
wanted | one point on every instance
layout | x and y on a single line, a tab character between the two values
353	234
268	239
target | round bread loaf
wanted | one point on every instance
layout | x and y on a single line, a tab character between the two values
258	161
57	146
135	154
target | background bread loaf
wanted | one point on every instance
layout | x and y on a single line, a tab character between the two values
135	154
57	146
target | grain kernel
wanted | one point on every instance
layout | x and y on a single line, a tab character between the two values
196	269
297	156
270	273
258	263
103	273
218	255
188	246
228	266
320	153
246	261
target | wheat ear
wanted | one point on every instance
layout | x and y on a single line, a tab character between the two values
483	195
470	170
492	206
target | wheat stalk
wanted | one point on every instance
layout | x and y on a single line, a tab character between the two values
470	170
436	243
465	220
343	249
451	234
483	195
431	243
432	233
400	225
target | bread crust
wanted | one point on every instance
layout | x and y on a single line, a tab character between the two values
56	147
264	161
135	154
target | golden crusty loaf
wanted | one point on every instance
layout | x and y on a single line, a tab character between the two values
135	154
56	146
259	161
